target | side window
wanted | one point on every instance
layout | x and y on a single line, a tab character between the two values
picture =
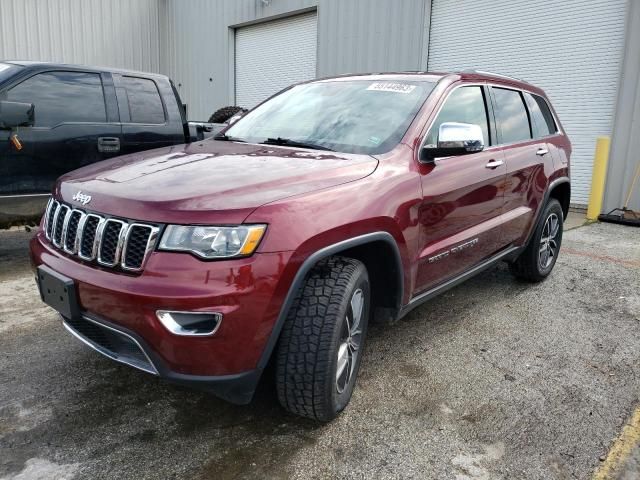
464	105
543	123
511	115
61	97
145	104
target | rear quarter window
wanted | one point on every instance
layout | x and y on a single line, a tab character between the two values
541	117
145	104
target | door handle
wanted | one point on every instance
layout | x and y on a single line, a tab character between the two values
494	164
108	144
542	151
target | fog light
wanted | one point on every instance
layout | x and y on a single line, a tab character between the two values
194	324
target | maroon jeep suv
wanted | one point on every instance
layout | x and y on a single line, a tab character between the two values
335	203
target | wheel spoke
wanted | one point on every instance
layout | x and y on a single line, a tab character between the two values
350	341
555	226
357	304
544	259
349	369
343	362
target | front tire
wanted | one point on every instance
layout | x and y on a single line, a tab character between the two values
322	341
538	259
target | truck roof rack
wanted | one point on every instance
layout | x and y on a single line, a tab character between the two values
484	72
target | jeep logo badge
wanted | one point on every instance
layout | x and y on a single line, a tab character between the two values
81	198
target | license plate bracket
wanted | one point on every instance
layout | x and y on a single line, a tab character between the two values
58	291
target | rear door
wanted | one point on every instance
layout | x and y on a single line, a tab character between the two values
462	195
147	122
72	121
528	161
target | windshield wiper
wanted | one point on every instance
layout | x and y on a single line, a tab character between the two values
227	138
287	142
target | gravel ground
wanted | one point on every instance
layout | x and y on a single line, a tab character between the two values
495	379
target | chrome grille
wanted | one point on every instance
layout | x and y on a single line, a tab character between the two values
109	241
135	245
71	231
58	224
111	244
87	237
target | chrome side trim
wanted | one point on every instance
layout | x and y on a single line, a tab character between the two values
438	289
153	370
119	243
151	242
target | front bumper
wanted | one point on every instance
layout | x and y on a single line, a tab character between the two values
127	347
249	292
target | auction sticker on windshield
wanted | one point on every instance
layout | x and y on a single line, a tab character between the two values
392	87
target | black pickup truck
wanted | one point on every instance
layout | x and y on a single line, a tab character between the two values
56	118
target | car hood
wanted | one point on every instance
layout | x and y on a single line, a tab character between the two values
207	182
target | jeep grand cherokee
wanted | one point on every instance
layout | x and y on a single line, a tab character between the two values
335	203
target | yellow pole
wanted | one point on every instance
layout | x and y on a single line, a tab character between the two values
598	177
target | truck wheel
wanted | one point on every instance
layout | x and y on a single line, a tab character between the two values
538	259
322	340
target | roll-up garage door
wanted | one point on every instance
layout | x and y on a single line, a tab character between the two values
272	55
572	49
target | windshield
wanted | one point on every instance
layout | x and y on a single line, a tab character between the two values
356	116
7	70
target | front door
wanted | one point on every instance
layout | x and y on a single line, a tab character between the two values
462	196
71	130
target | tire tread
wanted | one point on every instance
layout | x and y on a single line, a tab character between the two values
303	360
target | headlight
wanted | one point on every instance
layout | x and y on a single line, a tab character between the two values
213	242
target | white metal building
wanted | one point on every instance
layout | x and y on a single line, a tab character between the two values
584	53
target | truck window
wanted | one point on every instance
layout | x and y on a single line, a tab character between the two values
145	104
511	115
62	97
464	105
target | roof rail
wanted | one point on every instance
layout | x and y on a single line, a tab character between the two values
484	72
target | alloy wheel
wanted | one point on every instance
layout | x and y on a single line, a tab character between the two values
548	241
350	341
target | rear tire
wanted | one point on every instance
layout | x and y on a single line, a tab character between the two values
322	341
536	262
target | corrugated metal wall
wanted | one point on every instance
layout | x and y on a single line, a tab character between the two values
260	68
77	31
353	36
573	51
356	36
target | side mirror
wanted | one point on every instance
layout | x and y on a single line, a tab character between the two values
15	114
454	139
